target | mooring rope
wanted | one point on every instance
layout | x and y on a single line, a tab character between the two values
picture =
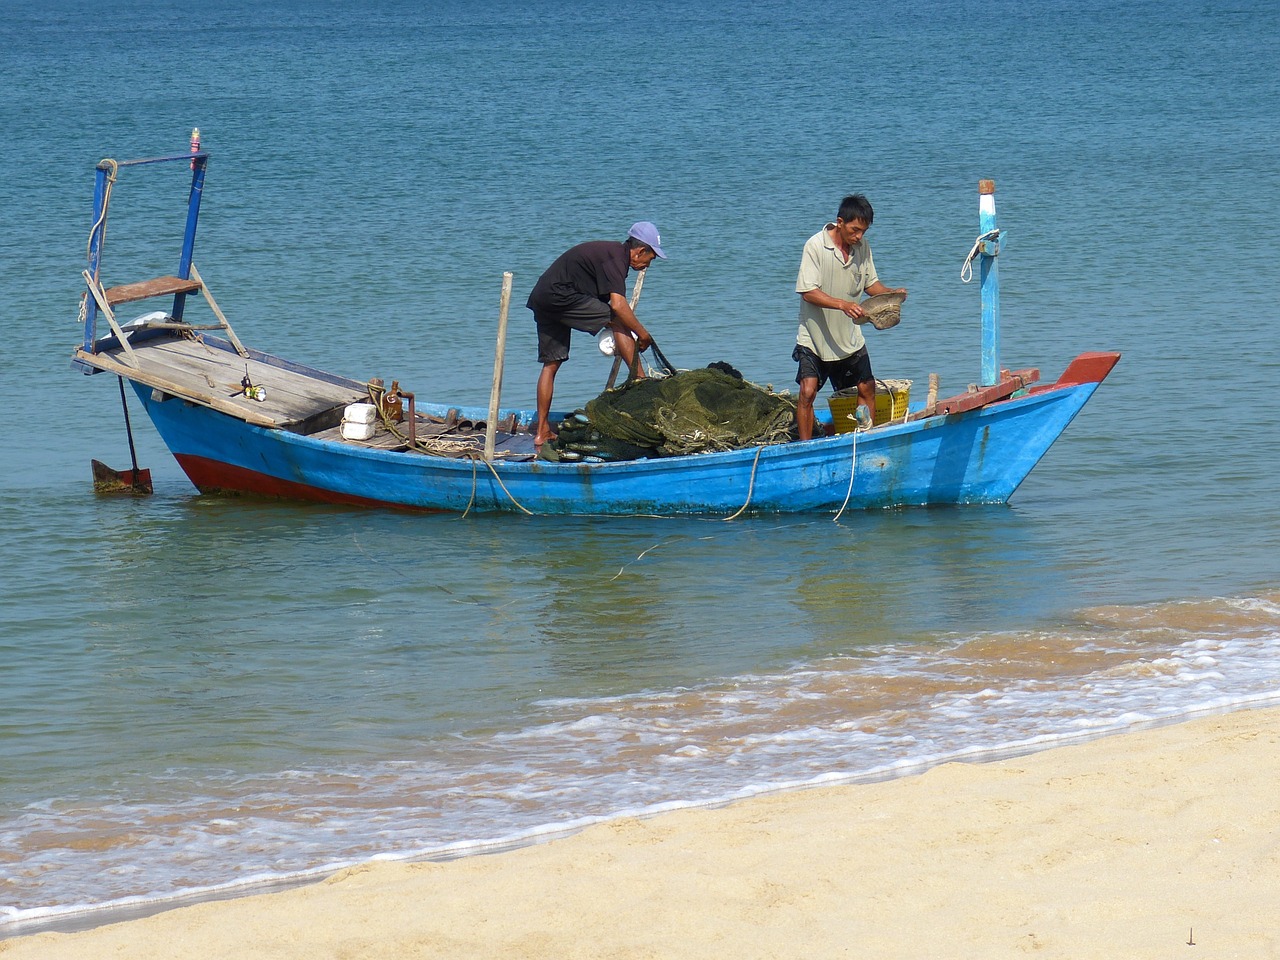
468	449
473	491
966	271
750	487
509	494
853	471
113	167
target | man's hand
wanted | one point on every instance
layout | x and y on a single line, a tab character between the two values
622	312
819	298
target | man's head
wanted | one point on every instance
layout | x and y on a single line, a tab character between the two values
643	244
854	218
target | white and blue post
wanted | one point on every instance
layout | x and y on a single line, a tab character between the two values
989	273
103	176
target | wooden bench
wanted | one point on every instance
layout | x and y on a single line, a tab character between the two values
159	287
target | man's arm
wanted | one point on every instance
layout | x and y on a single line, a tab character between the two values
820	299
622	310
878	288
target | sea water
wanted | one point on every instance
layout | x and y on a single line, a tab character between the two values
199	695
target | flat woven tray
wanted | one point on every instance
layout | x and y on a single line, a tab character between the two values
883	311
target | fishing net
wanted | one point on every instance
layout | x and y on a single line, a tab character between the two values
693	411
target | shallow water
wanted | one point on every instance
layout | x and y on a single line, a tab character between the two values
203	693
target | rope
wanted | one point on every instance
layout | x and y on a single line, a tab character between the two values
446	447
510	496
473	490
102	220
750	486
853	471
436	446
479	458
469	448
966	271
894	390
643	553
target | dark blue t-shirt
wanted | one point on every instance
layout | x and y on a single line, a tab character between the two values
596	268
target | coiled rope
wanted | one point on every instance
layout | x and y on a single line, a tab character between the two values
966	271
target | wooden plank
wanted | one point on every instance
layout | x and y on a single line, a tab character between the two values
191	369
150	379
981	396
158	287
100	298
213	305
296	396
232	366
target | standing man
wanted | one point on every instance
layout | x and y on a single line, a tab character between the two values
835	270
586	289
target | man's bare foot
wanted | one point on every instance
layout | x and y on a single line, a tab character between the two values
538	441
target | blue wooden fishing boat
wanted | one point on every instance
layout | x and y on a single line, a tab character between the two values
238	420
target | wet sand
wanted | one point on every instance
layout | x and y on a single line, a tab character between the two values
1158	843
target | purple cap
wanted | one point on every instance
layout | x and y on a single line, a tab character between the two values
647	233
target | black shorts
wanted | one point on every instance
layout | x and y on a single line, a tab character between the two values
843	374
588	314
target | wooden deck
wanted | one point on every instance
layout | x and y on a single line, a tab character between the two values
206	371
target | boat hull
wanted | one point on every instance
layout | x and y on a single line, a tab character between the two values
976	456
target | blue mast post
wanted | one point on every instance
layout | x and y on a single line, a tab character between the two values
989	249
198	162
103	176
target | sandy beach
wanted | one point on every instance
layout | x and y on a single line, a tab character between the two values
1158	843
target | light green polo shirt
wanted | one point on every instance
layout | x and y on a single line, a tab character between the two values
829	333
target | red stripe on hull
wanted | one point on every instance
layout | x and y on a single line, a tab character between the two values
210	476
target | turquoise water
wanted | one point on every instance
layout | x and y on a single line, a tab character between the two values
202	694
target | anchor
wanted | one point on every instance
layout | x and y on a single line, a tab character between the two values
136	481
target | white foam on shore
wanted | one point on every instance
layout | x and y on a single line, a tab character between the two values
896	711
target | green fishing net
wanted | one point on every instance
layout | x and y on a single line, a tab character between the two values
693	411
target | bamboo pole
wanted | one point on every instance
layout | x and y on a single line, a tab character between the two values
617	357
499	357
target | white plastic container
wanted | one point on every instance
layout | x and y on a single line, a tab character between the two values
358	421
357	431
360	413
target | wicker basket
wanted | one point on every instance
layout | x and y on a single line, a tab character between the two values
892	398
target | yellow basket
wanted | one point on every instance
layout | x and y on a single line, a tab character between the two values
892	397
